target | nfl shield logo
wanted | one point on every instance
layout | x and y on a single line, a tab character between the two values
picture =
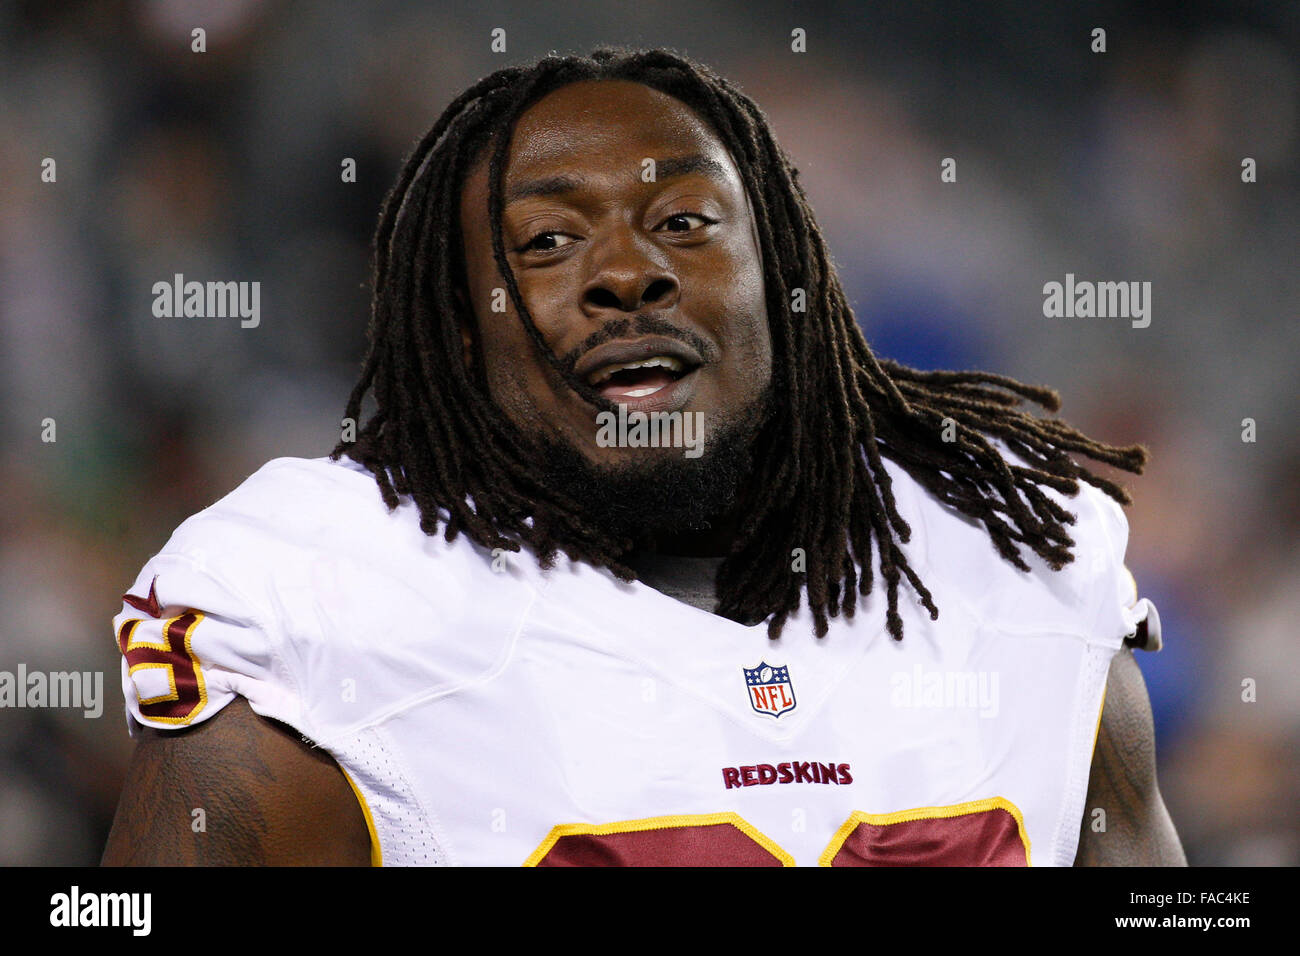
770	690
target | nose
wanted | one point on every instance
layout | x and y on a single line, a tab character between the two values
628	278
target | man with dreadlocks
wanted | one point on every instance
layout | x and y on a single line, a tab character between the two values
499	639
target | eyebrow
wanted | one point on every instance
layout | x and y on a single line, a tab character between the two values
664	169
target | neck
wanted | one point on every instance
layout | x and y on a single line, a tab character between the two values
712	542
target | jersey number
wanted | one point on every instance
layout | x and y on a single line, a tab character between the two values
173	657
980	833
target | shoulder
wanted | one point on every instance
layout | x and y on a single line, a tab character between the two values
270	536
317	603
292	497
320	526
1093	596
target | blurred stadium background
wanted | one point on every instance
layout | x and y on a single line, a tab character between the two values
226	165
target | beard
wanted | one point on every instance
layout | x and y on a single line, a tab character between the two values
665	493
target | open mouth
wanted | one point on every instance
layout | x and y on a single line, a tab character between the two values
638	379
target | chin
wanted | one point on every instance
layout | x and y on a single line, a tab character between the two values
643	492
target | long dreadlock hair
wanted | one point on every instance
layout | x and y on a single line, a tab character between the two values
437	436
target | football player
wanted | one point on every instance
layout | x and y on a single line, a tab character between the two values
642	556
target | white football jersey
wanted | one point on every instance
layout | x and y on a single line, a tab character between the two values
489	713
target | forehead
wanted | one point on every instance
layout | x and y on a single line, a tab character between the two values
592	123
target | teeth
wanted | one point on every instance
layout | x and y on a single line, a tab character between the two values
655	361
642	392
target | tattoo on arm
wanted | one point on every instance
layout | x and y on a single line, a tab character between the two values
264	796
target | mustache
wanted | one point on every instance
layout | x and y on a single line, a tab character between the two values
640	324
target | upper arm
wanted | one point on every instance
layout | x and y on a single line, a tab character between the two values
266	798
1135	829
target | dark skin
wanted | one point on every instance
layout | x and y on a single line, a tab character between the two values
1138	830
593	244
267	799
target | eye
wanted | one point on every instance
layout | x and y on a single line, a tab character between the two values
546	241
685	222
